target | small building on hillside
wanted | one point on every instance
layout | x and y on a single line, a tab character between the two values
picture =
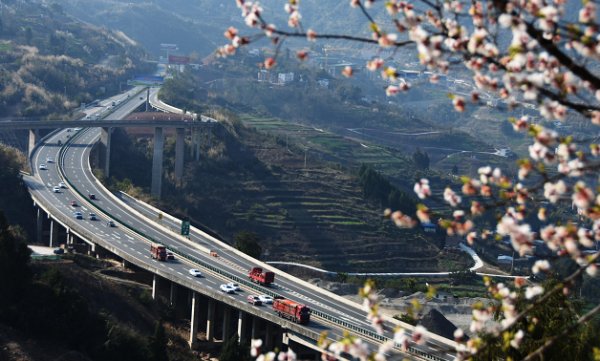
283	78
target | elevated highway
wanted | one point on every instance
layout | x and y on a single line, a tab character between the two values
138	226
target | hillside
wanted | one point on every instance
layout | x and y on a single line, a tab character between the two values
250	181
50	62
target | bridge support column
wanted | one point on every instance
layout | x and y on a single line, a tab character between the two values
194	319
179	154
195	149
268	341
210	320
254	332
105	136
154	285
91	249
53	233
39	225
226	323
285	340
33	137
241	327
172	293
157	162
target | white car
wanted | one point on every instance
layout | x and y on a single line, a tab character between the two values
49	160
266	299
43	167
195	272
56	189
62	185
234	285
227	288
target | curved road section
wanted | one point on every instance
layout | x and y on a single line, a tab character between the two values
134	232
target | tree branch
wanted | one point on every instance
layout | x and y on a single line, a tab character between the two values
582	72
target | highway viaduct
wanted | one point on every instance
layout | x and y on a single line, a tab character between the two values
107	127
210	310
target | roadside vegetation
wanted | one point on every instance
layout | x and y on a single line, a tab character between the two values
50	63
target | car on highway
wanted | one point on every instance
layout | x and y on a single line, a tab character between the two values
78	215
43	166
234	285
73	204
56	189
110	223
93	217
76	129
170	256
254	299
266	299
49	160
92	196
58	251
195	272
225	287
62	185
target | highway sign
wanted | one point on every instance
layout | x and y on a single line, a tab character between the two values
185	227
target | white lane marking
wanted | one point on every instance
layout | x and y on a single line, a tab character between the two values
116	236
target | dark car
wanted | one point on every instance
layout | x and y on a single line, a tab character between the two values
92	196
58	251
110	224
73	204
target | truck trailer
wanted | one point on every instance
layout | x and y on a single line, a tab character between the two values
257	275
292	310
158	251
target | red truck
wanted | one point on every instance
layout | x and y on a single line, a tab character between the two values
158	251
257	275
291	310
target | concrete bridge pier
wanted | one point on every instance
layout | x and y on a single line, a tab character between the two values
69	239
195	148
173	294
91	249
226	323
154	285
105	138
254	332
210	320
157	162
39	225
179	154
194	318
241	327
53	233
268	341
34	134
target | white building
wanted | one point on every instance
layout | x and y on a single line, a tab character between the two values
285	78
